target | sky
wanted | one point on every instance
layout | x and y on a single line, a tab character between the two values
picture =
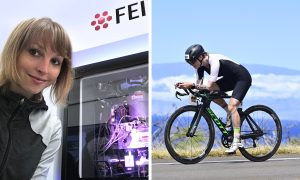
250	32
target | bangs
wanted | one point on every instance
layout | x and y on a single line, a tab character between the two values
46	33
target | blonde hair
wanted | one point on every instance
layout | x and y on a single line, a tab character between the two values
44	31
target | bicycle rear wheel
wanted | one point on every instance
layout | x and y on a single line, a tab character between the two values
260	147
184	149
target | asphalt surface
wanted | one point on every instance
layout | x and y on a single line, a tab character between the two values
284	167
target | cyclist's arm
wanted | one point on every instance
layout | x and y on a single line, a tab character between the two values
184	85
199	85
214	72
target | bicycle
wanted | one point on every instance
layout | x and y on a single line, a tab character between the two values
190	133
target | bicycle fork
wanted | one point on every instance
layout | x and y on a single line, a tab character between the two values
194	124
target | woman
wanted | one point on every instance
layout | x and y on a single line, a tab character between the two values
225	75
36	55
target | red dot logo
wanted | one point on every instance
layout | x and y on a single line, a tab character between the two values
101	20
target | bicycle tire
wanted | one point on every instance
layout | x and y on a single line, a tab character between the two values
269	142
179	146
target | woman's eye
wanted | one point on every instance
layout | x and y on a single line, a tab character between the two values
55	61
34	52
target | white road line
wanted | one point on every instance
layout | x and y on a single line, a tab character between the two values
225	161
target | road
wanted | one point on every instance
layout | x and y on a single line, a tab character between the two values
284	167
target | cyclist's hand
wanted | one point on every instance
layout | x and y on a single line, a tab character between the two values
178	84
184	85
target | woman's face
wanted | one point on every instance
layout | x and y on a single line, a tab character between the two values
38	68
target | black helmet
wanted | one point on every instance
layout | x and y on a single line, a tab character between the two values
193	52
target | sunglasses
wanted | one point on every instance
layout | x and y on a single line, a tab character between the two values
192	62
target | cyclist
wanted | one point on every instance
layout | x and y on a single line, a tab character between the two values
225	75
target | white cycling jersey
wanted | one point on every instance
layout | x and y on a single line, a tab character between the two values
214	62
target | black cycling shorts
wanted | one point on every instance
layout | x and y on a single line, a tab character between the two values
240	87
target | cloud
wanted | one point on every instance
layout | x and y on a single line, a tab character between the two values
164	89
270	86
274	86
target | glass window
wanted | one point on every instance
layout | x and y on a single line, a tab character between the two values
113	124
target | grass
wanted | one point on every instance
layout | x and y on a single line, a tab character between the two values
161	152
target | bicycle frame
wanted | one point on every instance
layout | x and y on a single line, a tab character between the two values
217	121
256	130
205	106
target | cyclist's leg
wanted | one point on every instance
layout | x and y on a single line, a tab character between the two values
224	85
221	102
236	120
238	95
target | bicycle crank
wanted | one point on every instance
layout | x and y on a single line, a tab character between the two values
227	140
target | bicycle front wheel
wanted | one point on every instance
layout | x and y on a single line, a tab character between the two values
184	149
263	146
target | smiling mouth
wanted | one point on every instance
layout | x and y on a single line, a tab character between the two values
37	80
